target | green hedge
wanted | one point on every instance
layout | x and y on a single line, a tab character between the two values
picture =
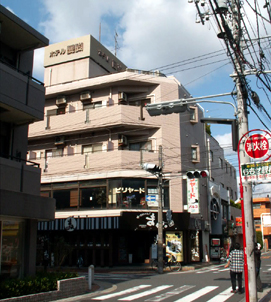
42	282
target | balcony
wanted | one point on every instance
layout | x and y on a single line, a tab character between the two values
105	117
17	176
112	162
22	98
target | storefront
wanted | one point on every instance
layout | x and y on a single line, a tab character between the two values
108	241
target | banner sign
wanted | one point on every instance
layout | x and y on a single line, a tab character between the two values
193	196
256	172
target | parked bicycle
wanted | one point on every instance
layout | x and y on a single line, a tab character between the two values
170	263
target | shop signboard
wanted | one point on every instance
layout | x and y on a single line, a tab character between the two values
238	221
152	200
193	195
174	244
256	172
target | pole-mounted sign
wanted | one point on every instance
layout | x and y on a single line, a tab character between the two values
256	146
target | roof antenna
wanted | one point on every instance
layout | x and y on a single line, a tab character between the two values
116	43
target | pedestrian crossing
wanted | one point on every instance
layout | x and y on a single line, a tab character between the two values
153	293
215	270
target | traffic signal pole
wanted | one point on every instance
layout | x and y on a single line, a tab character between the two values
246	188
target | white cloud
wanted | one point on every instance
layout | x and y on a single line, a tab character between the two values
151	33
38	72
225	141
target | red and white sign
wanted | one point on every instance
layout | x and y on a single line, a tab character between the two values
256	146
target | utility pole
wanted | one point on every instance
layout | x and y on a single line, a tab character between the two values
158	172
160	215
246	189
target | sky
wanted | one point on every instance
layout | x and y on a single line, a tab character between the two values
159	35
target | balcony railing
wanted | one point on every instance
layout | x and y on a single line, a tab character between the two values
99	162
19	175
92	119
21	92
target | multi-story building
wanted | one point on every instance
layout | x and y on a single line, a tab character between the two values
21	103
91	146
262	218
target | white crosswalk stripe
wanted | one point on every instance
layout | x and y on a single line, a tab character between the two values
145	293
126	295
124	292
223	296
197	294
214	270
171	293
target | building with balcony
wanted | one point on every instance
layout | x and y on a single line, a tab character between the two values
91	145
21	103
262	218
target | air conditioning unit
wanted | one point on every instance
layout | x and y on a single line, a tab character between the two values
86	95
60	140
104	147
61	101
123	140
122	97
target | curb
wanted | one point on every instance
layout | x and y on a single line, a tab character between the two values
98	288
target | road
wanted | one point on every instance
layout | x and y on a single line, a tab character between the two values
209	284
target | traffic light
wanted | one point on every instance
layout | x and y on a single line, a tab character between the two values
166	108
152	168
197	174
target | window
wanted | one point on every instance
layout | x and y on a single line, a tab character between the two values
230	171
92	105
94	198
257	222
54	153
66	199
145	146
220	163
256	205
92	148
57	111
195	153
226	167
193	110
211	154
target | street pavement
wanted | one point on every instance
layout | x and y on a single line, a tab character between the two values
102	287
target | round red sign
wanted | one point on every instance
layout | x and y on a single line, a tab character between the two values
256	146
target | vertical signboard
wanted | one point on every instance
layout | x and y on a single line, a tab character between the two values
174	244
193	195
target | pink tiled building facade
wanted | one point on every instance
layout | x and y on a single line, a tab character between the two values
92	144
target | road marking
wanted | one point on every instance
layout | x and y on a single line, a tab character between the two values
197	294
223	296
146	293
207	270
172	293
124	292
222	270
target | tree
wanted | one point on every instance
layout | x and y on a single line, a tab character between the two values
208	129
61	250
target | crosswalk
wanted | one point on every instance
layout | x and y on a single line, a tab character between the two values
153	293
